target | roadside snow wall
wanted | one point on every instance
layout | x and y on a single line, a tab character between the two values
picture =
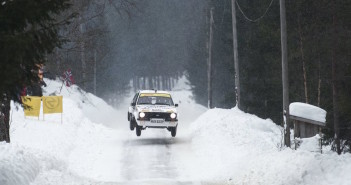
40	149
245	149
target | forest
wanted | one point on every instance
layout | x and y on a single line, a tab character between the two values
114	47
318	38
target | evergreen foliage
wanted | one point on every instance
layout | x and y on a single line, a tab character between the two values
28	32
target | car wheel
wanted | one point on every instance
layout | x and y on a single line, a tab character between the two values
174	131
138	130
131	125
128	116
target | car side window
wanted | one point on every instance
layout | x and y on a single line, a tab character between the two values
135	98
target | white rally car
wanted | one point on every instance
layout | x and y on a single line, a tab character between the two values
153	109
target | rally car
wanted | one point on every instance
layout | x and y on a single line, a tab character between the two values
153	109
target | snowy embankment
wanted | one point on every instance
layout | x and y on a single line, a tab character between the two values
50	152
244	149
221	146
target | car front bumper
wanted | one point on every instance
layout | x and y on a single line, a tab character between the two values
165	124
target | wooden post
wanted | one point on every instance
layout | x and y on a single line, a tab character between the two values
320	140
42	103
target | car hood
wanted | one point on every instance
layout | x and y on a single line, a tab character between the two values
156	108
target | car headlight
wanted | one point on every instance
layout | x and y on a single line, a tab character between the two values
141	115
173	115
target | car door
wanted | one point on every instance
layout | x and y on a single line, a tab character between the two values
131	107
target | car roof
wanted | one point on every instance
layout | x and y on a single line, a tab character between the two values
154	91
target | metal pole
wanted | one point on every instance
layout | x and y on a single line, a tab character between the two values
236	58
285	75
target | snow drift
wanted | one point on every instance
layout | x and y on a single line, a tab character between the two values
244	149
48	152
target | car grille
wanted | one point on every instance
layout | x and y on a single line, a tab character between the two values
159	115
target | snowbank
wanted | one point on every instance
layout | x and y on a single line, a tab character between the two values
224	146
14	161
188	109
244	149
307	111
48	152
92	107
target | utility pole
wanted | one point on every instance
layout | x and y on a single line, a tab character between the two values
285	75
95	71
82	51
236	58
209	68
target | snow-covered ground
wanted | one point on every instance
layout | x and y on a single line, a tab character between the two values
94	145
245	149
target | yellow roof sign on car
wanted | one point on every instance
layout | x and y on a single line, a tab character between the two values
155	94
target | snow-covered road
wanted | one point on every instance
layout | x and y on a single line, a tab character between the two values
94	146
155	157
123	158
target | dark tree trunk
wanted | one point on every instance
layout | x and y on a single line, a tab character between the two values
163	83
158	80
5	119
138	82
169	84
2	126
144	83
173	83
151	86
336	82
319	81
303	59
135	83
166	83
336	107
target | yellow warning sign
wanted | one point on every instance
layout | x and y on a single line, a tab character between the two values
31	105
52	104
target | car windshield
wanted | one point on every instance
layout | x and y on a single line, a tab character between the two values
155	99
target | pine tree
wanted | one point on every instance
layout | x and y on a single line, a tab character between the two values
28	32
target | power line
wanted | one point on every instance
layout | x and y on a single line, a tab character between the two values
253	20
